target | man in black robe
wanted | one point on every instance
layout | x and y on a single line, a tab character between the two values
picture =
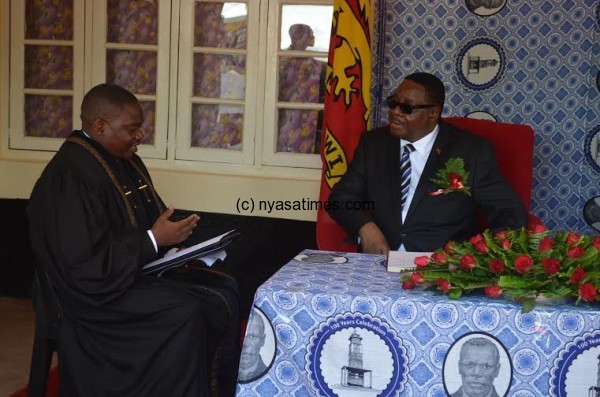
95	220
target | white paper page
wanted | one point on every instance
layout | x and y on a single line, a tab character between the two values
185	251
402	260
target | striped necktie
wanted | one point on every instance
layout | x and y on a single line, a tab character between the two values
405	172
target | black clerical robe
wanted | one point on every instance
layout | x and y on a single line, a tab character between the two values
123	334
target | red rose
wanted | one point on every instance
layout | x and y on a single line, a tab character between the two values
421	261
573	238
476	239
467	262
449	248
455	181
578	275
546	244
439	258
501	235
493	291
523	264
596	243
479	243
418	278
551	265
443	285
506	244
496	266
408	284
587	292
536	228
575	252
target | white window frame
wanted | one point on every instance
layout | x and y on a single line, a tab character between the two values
173	99
99	46
17	137
270	156
185	98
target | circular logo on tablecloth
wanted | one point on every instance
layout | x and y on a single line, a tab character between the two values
575	370
485	8
356	352
481	63
591	148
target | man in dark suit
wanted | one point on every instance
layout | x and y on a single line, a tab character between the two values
421	215
478	366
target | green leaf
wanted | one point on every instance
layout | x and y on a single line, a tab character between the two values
527	305
455	293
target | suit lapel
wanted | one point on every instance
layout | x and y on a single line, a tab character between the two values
435	161
393	153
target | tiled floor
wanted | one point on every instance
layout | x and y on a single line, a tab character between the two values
16	341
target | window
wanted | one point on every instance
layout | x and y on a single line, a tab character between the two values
220	82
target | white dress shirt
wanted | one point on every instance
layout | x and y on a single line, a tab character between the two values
418	159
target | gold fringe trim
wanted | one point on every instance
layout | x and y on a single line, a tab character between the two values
81	142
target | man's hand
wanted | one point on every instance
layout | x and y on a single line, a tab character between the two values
167	232
372	239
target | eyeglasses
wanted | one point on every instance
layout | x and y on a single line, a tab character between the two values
405	108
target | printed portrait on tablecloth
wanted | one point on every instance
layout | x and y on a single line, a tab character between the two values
258	352
477	365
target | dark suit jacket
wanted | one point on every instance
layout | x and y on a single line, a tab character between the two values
459	393
374	175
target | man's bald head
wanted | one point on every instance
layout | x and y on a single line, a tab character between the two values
102	102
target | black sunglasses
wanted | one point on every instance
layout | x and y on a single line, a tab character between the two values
405	107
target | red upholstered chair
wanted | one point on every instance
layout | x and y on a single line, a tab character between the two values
513	144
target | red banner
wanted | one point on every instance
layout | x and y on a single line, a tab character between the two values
347	106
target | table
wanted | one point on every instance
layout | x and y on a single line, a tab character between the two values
332	324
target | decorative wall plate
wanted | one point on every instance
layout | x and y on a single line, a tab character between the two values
481	63
485	8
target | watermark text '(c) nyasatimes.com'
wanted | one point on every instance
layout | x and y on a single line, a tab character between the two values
249	205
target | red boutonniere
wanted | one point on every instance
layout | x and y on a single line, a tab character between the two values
451	178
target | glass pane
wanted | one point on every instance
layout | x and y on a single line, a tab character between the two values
220	25
49	67
220	76
132	21
217	126
301	80
49	19
134	70
149	121
299	130
49	116
305	28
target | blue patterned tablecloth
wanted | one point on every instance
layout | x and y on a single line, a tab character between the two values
324	323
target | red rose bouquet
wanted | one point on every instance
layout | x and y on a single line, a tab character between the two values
517	264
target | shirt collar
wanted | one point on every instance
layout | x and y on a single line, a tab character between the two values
423	146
